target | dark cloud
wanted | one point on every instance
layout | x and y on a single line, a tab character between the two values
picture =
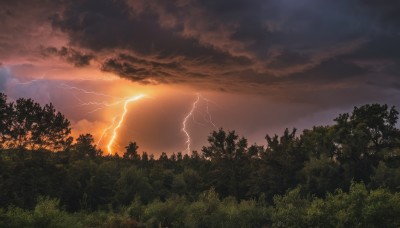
155	49
330	71
379	47
287	59
237	45
141	70
386	11
75	57
104	24
24	25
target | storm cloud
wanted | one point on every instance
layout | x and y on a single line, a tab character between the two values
72	56
182	41
207	42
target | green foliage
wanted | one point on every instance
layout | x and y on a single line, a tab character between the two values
386	176
46	213
290	210
170	213
16	217
231	161
363	138
358	208
131	184
321	175
100	188
281	164
319	141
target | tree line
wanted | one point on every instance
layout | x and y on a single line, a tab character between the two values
345	174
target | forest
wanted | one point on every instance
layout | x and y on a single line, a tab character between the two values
343	175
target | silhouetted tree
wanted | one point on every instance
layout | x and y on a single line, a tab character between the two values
85	147
229	157
131	152
6	114
280	163
363	138
27	125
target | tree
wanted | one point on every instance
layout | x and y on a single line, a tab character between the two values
365	137
356	208
6	111
131	152
290	210
53	130
132	183
281	163
321	173
101	187
367	131
26	125
85	147
319	141
229	157
224	146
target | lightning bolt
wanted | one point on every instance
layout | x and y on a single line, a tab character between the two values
118	100
103	104
66	86
29	82
121	120
113	101
41	78
190	114
106	129
209	119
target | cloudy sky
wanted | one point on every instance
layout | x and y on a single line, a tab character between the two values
254	66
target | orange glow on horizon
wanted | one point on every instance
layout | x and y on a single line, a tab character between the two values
106	108
97	102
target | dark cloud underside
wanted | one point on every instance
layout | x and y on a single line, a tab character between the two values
77	58
234	44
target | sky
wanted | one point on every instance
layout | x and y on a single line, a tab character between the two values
253	66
